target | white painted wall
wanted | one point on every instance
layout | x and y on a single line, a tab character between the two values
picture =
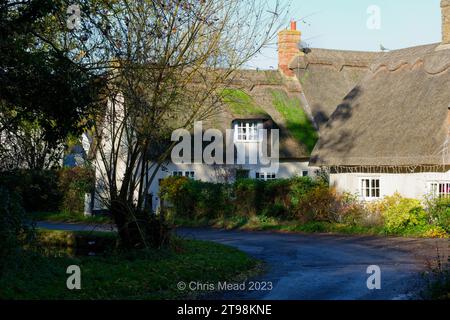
410	185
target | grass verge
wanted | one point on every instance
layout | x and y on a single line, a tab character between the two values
140	275
260	223
69	217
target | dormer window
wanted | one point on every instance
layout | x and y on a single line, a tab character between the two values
247	131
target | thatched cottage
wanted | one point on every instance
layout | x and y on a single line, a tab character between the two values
256	100
384	118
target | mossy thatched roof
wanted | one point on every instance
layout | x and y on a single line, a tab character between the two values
264	95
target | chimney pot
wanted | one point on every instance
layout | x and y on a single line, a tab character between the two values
288	41
293	25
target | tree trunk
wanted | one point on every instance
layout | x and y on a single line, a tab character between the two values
139	229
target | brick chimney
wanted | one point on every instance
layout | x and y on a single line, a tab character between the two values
445	7
288	41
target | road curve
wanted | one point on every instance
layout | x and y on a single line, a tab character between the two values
329	267
320	267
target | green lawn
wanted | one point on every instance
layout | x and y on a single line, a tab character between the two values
151	274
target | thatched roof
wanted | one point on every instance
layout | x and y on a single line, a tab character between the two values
326	76
255	95
395	116
265	96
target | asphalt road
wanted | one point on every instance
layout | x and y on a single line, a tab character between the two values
323	267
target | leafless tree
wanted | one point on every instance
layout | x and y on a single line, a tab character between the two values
26	147
167	64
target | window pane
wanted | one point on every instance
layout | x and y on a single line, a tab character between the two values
367	187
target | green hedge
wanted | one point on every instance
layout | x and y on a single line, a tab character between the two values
15	229
50	190
194	199
38	189
305	201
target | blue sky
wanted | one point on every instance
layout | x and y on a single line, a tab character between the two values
342	24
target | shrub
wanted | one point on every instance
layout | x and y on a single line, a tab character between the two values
300	187
350	210
374	213
193	199
38	189
275	210
324	204
74	183
176	194
213	200
15	227
401	213
435	232
281	198
50	190
439	211
319	204
248	194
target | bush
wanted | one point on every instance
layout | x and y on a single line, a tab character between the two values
300	187
319	204
15	227
247	196
311	202
188	198
38	189
176	193
50	190
439	211
275	210
74	183
401	213
351	211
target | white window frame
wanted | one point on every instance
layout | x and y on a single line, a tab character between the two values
247	131
177	173
188	174
265	176
372	188
436	190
